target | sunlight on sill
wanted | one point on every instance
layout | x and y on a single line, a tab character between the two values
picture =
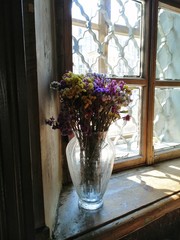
133	196
158	179
174	167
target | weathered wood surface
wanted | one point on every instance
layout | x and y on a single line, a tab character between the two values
134	199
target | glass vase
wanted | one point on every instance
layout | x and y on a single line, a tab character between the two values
90	161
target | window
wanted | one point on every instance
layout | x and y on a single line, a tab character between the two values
107	37
166	131
137	41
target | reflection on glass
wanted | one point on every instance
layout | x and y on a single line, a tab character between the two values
168	46
166	118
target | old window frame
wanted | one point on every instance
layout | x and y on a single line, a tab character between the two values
147	81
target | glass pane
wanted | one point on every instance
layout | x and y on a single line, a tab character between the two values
85	12
167	118
130	64
84	50
126	134
122	15
114	28
168	46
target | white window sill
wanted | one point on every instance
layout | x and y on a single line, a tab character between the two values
133	199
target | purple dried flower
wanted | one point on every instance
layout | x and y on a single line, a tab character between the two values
127	118
89	103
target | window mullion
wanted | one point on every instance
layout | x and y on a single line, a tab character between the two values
103	30
167	83
153	15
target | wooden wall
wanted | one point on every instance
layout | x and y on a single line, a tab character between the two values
48	106
28	198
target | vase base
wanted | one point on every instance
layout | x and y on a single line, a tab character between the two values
90	205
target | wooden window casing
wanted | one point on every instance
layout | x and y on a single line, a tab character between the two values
147	81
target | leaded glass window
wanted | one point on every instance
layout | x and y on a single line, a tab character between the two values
167	97
107	38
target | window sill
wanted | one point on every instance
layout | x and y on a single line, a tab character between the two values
133	199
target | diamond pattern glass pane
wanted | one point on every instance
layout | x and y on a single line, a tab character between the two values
167	118
168	46
125	134
107	36
86	50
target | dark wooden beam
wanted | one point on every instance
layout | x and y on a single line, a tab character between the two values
22	210
63	22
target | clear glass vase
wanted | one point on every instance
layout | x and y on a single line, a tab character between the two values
90	161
